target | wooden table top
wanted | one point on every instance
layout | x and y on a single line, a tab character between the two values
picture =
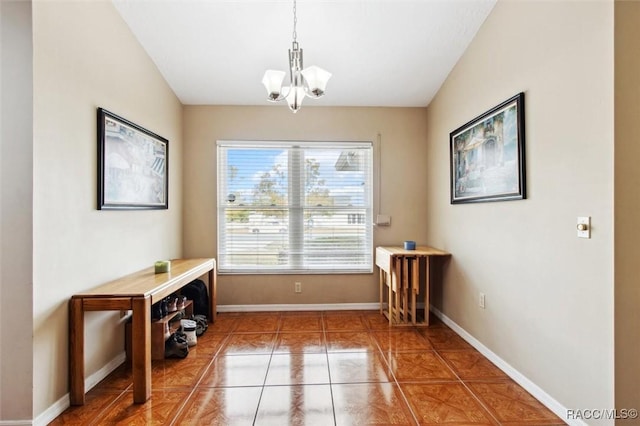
419	251
146	282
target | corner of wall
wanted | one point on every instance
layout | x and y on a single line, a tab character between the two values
16	226
627	203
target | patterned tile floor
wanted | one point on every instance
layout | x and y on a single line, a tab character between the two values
317	368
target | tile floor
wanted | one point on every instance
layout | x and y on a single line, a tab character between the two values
317	368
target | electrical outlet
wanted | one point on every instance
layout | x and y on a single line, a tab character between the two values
481	300
298	287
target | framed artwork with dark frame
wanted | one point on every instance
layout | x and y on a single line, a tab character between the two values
133	165
487	155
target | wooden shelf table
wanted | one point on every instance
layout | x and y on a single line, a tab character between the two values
135	292
401	272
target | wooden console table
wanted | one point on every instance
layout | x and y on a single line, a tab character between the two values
136	292
400	271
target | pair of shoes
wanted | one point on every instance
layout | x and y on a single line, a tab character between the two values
202	323
188	327
181	337
175	347
172	304
181	301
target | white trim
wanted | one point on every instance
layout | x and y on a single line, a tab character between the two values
15	423
58	407
48	415
286	144
288	216
538	393
300	307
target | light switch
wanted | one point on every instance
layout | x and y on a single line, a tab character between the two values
584	227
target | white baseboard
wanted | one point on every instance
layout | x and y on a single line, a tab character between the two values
300	307
99	375
546	399
48	415
15	423
58	407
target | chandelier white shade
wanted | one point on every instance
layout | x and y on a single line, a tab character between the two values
304	82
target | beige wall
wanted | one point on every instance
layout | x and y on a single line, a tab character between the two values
16	172
85	57
549	295
627	202
403	133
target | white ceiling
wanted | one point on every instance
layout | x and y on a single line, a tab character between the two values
381	52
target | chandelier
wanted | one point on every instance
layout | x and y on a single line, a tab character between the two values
310	81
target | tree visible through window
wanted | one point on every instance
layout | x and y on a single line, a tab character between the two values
294	207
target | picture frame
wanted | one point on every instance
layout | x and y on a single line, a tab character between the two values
487	157
133	165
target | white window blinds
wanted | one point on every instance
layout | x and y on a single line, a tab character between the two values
295	207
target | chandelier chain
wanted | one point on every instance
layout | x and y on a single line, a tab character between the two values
295	22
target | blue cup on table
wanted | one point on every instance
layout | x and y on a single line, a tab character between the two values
409	245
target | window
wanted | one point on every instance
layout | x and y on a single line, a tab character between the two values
295	207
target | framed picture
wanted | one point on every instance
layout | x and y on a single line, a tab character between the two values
487	155
133	165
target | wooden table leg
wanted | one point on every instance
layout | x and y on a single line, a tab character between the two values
427	279
390	295
405	289
392	292
415	285
381	281
76	352
398	280
141	348
213	296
